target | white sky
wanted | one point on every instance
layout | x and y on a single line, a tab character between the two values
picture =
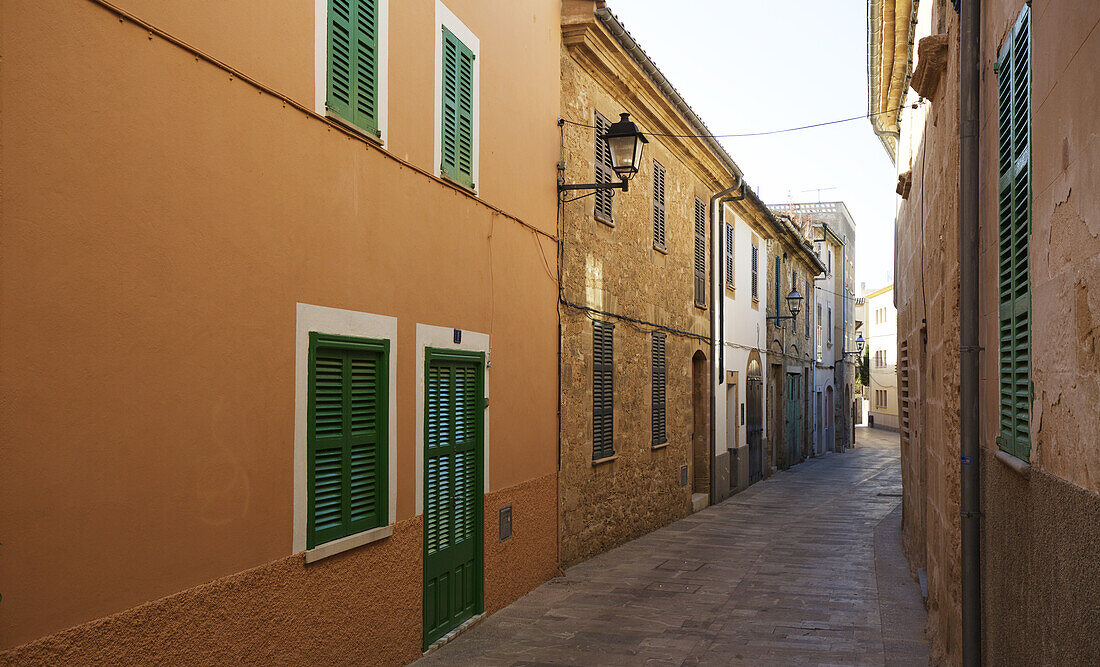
758	65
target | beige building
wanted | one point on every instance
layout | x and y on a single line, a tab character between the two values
881	336
636	316
1029	595
280	332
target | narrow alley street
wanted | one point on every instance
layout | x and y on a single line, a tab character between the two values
805	567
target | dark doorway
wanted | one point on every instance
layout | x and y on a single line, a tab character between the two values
700	434
754	420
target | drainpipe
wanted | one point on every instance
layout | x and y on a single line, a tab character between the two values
970	491
717	326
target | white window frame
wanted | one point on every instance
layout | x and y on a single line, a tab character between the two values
445	18
339	322
320	64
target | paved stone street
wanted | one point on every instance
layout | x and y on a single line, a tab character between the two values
805	567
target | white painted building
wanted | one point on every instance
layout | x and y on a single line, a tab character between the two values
882	345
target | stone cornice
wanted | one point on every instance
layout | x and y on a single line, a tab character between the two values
603	58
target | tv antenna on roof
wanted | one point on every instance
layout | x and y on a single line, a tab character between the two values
819	191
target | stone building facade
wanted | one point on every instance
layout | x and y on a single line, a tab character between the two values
791	266
635	327
1039	380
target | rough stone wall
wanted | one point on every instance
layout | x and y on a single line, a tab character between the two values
1039	563
615	268
290	612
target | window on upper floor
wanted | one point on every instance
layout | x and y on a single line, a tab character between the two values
354	85
457	78
604	172
659	207
700	253
830	325
1014	190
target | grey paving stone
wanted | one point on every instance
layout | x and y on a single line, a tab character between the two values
802	568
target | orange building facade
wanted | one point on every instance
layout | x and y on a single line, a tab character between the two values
276	291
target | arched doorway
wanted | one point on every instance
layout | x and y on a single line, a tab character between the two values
700	434
754	417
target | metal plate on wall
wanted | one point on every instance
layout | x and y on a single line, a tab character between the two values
505	523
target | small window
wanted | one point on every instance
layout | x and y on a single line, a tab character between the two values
658	373
604	172
659	206
829	325
603	390
347	436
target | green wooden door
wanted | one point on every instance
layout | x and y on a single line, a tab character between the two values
794	418
454	416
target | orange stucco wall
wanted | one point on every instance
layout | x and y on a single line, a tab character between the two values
160	220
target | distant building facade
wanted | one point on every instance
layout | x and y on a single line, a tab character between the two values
881	339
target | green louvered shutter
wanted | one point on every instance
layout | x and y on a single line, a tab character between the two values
1014	229
658	206
700	253
457	134
347	437
353	62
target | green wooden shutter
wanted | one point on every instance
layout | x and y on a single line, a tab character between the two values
604	172
457	138
1014	229
778	278
603	390
700	253
658	205
353	62
659	377
347	437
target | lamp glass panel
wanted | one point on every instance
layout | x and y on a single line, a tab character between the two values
622	154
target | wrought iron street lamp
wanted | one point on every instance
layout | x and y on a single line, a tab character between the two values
625	142
794	304
859	347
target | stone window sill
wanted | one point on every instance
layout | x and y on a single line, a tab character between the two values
366	134
1018	466
603	219
663	251
659	446
346	543
606	459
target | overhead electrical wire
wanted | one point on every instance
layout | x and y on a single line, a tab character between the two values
751	134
